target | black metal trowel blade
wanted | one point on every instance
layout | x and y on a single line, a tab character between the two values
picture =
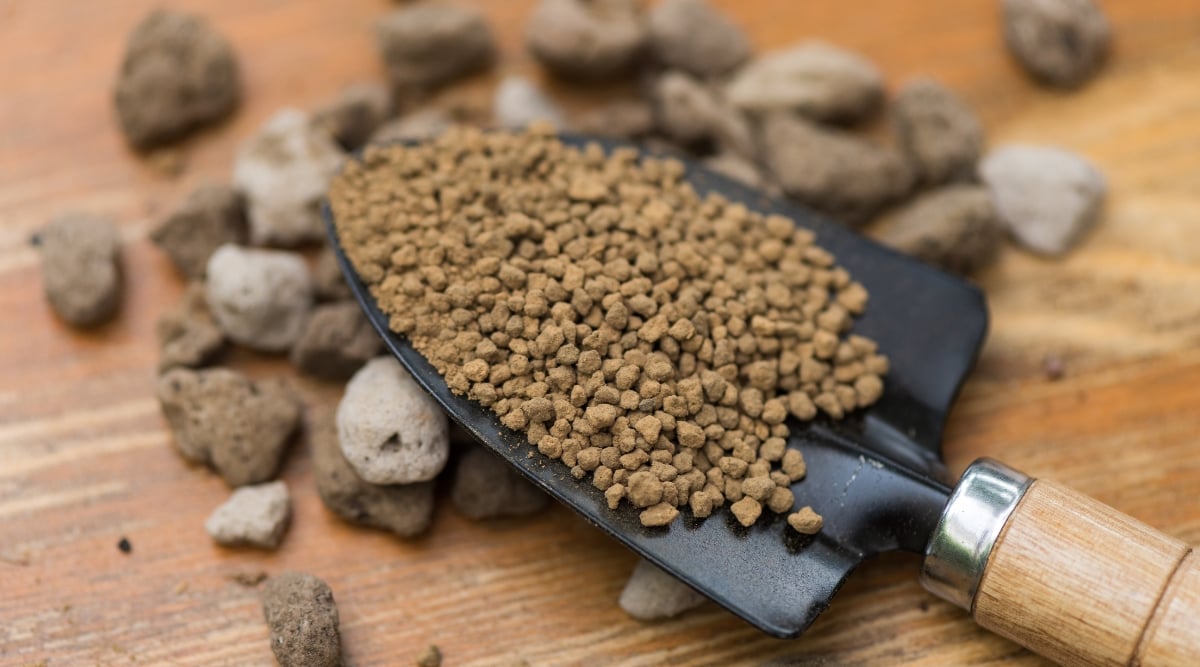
876	477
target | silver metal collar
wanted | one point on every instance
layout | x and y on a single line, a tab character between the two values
959	548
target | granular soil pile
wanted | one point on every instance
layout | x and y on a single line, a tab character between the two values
645	336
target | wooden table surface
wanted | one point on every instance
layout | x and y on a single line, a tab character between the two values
85	459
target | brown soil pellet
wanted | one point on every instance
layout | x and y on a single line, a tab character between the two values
598	305
806	521
188	334
210	217
303	619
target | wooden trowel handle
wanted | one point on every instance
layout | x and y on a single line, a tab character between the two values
1064	575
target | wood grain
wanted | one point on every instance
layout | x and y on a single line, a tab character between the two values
85	459
1172	634
1078	582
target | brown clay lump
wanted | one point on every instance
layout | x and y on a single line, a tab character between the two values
303	621
187	333
652	340
586	39
210	217
403	509
816	80
832	170
177	74
1062	43
938	133
486	487
354	115
693	36
954	228
220	418
426	45
336	341
81	270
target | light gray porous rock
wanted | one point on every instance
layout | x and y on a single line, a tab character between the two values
390	430
255	516
519	102
283	171
1046	197
260	298
651	594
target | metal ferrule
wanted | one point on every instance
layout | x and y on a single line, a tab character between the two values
958	551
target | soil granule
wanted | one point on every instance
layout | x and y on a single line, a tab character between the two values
650	339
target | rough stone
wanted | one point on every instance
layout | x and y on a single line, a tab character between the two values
403	509
328	282
833	171
693	36
486	487
426	45
390	430
221	418
354	115
81	268
954	228
177	74
938	133
255	516
337	340
692	113
260	298
1062	43
651	594
1046	197
283	172
814	79
586	39
211	216
303	621
188	335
